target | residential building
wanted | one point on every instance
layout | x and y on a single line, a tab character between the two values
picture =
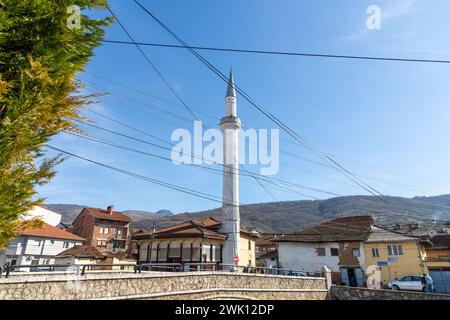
438	262
337	244
191	243
394	254
38	246
247	247
89	255
264	246
107	230
268	259
79	255
40	212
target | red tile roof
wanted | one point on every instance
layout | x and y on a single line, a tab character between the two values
204	228
48	231
103	214
84	251
355	228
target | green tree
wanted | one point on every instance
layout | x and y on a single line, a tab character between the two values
42	48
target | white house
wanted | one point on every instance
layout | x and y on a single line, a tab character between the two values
49	217
337	244
38	246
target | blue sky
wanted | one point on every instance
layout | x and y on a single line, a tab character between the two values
389	115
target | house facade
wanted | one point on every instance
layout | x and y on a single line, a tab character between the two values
191	244
88	255
337	244
438	262
38	246
394	254
42	213
106	230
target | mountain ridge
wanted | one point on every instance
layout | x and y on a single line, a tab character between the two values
288	216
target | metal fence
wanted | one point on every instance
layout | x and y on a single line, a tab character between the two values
81	269
7	269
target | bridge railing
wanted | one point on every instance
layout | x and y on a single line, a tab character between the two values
81	269
7	269
267	270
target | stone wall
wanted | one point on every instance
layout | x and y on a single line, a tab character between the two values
349	293
158	285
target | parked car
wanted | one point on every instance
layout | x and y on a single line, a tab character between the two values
408	283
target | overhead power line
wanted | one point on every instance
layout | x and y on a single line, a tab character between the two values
245	171
148	179
154	67
390	183
132	99
281	185
166	82
269	115
281	53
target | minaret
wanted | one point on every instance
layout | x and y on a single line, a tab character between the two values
230	200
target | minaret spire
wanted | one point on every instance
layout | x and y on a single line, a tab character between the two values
230	89
230	124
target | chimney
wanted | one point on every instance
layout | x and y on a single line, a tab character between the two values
110	209
397	227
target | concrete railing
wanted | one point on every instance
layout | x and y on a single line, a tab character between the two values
161	285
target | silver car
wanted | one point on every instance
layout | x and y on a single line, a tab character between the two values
408	283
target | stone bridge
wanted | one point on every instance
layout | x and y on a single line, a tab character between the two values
120	285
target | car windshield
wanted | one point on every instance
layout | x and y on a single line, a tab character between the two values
405	279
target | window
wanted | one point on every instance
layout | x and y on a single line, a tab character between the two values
320	252
162	252
174	250
405	279
356	252
104	230
334	252
65	244
52	241
375	253
395	250
249	245
101	243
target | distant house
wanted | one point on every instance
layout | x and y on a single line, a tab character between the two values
38	246
269	259
337	244
264	245
191	243
80	254
40	212
106	230
88	255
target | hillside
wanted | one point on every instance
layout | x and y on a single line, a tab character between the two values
292	215
287	216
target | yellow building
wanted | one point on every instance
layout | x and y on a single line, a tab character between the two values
191	245
393	254
247	250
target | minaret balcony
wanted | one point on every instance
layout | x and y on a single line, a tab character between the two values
231	122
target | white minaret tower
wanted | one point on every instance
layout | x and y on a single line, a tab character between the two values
230	200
